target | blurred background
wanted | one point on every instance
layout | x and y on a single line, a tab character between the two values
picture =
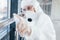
8	7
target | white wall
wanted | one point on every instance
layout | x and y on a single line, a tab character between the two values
55	15
56	9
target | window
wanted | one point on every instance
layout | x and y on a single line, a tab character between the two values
4	15
10	7
3	10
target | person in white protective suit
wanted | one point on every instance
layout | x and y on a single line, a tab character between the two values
34	24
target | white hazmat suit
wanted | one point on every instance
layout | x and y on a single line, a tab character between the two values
42	26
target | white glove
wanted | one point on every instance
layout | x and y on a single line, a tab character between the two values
22	27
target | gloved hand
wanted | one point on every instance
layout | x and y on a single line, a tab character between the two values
22	28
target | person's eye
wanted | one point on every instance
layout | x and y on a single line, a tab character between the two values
24	9
28	8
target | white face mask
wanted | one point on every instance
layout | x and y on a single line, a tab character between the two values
30	16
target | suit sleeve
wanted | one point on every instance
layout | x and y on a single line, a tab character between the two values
47	30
